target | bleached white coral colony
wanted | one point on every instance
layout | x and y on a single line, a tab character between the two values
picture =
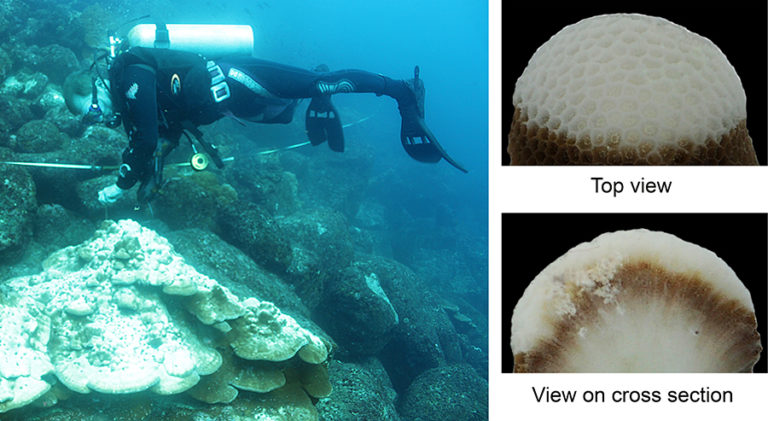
123	313
636	301
629	89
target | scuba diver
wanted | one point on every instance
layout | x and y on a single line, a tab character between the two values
159	89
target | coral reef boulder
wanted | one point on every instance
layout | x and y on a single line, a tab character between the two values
456	260
123	313
216	258
249	228
86	199
93	23
56	227
50	106
18	205
16	112
265	183
361	391
425	337
54	60
40	22
193	199
97	146
453	392
38	136
24	85
331	180
321	250
362	317
5	60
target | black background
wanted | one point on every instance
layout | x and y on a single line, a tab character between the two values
738	28
532	241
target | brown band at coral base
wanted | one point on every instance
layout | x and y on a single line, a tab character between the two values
532	145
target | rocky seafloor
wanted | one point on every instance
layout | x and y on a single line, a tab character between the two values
386	271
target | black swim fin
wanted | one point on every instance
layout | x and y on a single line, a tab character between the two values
323	123
418	141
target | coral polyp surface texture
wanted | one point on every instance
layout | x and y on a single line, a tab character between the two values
636	301
123	313
627	89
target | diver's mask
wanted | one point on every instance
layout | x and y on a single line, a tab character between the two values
96	115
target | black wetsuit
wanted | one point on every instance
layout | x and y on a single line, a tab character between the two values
161	92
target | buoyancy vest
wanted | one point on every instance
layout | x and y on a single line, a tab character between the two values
182	82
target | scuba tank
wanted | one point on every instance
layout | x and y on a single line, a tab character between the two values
211	41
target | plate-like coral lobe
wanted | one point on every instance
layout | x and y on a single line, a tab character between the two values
636	301
629	89
123	313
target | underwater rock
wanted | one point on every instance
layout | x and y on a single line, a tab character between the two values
97	146
266	184
217	259
25	85
50	106
321	249
51	98
371	241
93	22
131	407
41	22
332	180
372	215
56	61
460	264
453	392
361	391
373	228
16	112
38	136
472	327
193	199
289	402
87	199
6	154
248	228
62	118
425	337
55	227
18	205
28	263
5	60
127	314
361	317
475	353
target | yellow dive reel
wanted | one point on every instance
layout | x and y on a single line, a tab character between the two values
199	161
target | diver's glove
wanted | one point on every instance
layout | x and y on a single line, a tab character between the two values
110	194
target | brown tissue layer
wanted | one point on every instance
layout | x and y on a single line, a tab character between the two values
532	145
732	326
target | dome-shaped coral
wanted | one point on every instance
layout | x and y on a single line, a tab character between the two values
127	314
